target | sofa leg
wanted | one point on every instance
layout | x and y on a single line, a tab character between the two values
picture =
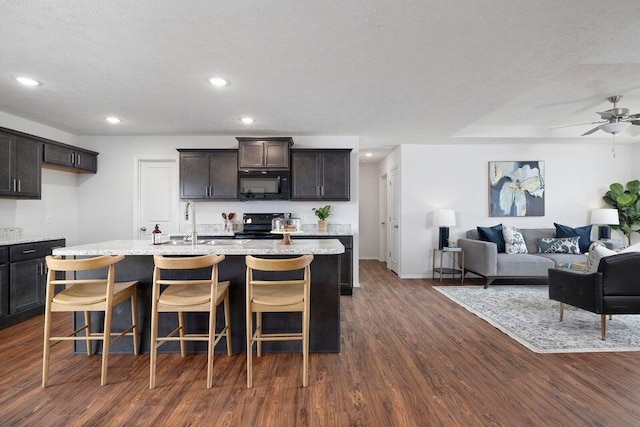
488	281
603	326
561	310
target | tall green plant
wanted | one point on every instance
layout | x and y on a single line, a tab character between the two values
323	212
627	201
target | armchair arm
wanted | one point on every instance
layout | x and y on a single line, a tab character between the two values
480	257
576	289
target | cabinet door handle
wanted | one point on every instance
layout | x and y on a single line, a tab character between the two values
28	251
71	158
19	186
322	190
78	158
15	185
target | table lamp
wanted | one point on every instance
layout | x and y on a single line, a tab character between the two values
444	219
603	218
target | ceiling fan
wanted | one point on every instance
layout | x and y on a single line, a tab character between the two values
614	120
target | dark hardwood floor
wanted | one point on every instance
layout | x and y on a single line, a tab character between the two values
410	357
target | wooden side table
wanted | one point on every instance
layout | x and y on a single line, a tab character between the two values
455	254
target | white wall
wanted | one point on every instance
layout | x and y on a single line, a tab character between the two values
369	212
456	177
59	191
106	199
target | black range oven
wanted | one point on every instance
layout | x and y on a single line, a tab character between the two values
258	226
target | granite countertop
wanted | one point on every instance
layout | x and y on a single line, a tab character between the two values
14	236
225	247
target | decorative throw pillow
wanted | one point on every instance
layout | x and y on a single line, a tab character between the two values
513	241
492	234
583	232
596	253
565	245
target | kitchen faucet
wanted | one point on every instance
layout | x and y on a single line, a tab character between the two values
194	235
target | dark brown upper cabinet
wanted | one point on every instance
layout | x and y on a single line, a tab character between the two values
69	158
320	174
20	161
208	174
264	153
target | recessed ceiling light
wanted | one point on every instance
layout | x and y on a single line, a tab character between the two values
218	81
113	120
28	81
369	154
247	120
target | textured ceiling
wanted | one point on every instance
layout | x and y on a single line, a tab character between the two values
391	71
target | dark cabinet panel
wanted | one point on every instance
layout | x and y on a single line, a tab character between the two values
346	261
6	164
320	174
70	158
194	175
223	171
209	174
22	279
20	167
263	153
25	289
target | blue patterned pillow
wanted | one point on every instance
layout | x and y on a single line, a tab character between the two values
583	232
566	245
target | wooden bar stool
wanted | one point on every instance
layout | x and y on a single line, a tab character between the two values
87	295
189	296
277	296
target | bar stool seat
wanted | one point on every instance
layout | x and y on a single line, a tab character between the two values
87	295
189	295
277	296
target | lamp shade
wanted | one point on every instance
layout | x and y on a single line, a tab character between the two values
615	127
444	218
605	217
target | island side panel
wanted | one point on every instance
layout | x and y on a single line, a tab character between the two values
324	309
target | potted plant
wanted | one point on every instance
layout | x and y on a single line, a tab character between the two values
627	201
322	213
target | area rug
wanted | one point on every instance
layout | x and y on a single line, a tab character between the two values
526	314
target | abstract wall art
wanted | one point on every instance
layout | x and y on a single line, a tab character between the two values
516	188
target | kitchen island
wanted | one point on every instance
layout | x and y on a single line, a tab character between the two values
138	265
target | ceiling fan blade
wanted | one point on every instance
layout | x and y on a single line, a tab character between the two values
635	122
634	116
589	132
577	124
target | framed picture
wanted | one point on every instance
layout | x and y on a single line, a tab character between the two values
516	188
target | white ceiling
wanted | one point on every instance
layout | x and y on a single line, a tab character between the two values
391	72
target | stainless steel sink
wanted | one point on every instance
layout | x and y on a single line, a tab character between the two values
225	242
217	242
182	242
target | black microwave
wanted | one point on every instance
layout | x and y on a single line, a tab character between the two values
263	185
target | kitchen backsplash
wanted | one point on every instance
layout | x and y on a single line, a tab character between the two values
306	228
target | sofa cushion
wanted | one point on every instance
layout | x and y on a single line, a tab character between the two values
559	259
583	232
492	234
565	245
525	265
513	241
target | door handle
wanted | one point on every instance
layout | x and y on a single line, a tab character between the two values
15	185
29	251
19	186
143	229
78	158
395	226
72	158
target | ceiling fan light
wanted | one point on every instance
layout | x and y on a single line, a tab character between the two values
615	127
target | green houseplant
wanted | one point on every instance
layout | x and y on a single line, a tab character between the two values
322	213
627	201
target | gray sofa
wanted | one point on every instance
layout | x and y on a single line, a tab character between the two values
482	258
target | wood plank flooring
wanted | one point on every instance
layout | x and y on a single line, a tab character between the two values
410	357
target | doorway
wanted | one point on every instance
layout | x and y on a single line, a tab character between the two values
392	222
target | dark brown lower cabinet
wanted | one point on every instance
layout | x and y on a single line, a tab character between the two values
23	280
346	261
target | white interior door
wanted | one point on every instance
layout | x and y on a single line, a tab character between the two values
393	223
156	200
382	202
